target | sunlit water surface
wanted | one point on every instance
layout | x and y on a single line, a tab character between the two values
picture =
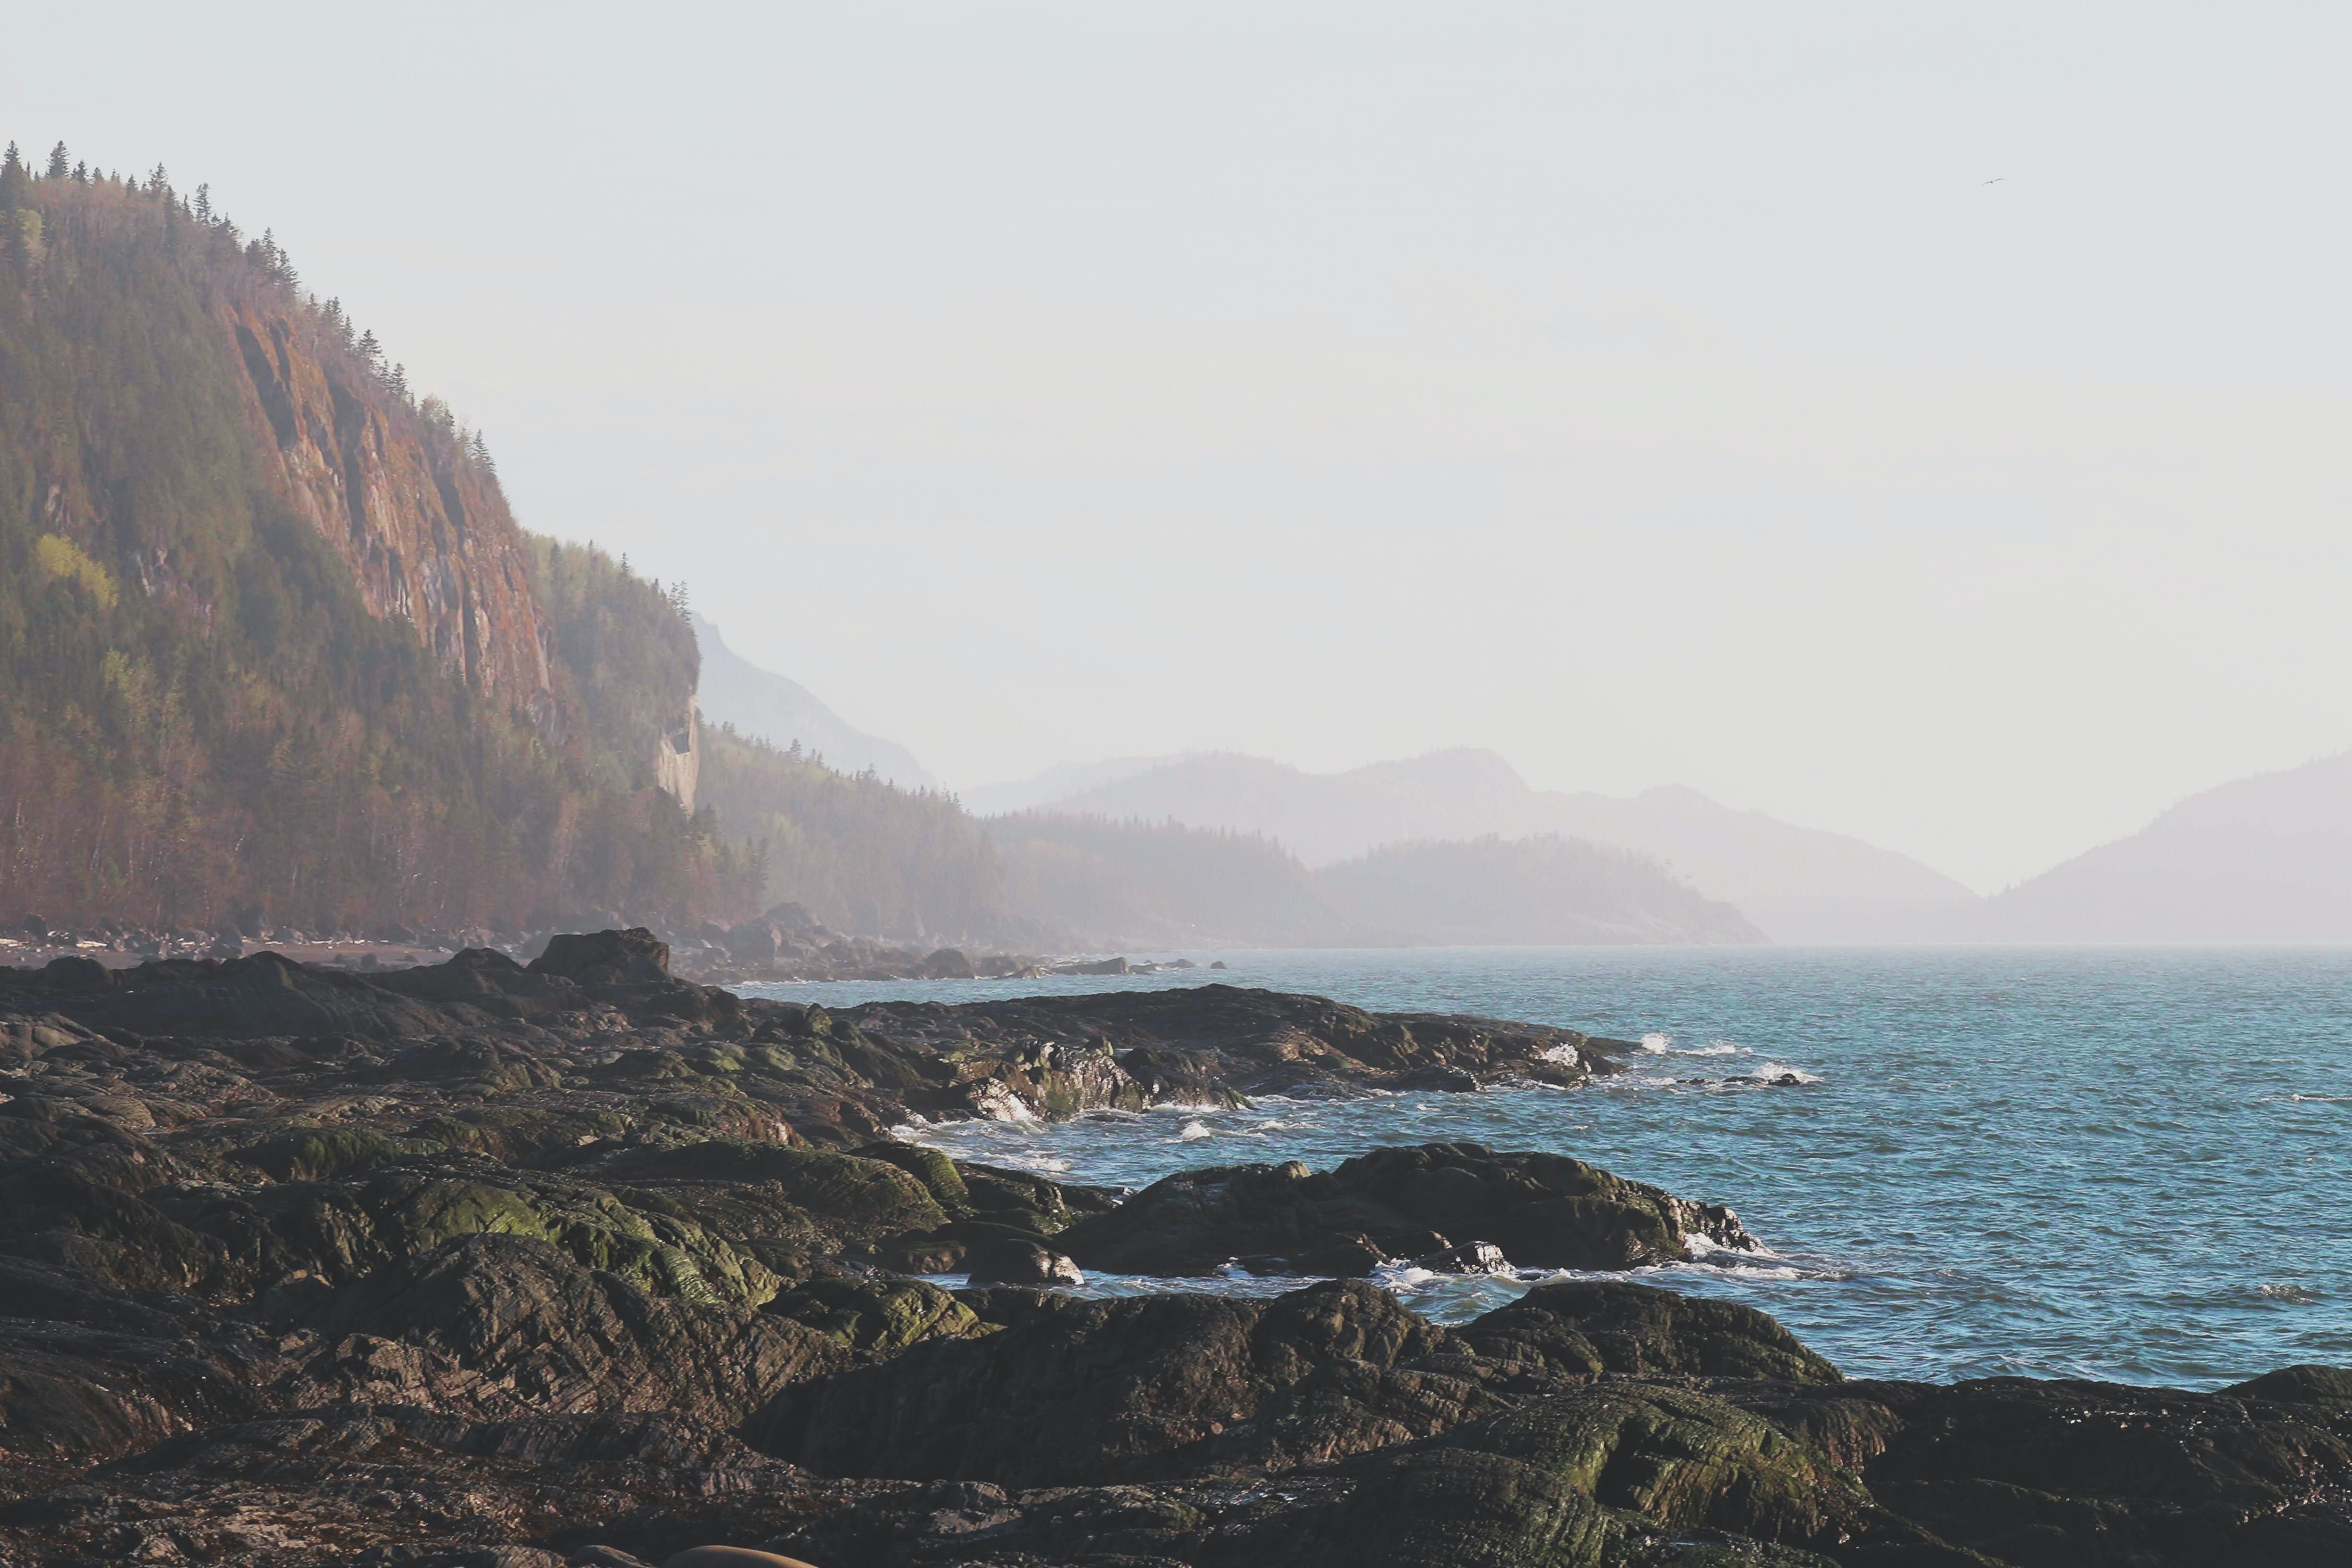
2125	1165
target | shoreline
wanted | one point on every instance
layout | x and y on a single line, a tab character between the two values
585	1214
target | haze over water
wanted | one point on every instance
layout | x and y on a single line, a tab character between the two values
2117	1164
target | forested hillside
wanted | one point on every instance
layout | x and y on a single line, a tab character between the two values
1166	885
268	634
856	852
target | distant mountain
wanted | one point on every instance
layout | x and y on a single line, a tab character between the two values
1059	783
1797	884
1541	891
2267	859
765	706
1097	883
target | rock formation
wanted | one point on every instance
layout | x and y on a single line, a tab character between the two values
579	1263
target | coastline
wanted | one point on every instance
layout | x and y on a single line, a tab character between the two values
605	1229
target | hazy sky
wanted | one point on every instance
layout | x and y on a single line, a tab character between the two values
1652	393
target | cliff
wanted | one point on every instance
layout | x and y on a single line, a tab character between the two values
271	640
421	523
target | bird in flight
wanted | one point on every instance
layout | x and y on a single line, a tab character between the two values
1996	179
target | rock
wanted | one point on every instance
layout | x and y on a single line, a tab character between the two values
947	963
631	957
1543	1211
501	1325
754	943
1111	1390
1589	1327
1218	964
1470	1257
730	1557
1009	1260
73	973
878	1317
1443	1077
1099	966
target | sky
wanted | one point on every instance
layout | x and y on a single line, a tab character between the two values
1926	422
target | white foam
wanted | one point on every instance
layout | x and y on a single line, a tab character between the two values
1193	1131
1657	1043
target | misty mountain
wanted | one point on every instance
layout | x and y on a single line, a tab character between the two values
1546	890
1062	782
1797	884
2267	859
1097	883
1166	885
765	706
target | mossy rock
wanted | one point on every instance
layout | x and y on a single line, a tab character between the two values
516	1135
923	1255
320	1154
934	1170
879	1317
860	1195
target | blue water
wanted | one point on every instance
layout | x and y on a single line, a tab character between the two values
2124	1165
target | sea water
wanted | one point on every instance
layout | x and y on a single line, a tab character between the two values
2128	1164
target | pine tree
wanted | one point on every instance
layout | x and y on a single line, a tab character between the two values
398	380
158	181
57	170
204	204
370	350
81	174
14	179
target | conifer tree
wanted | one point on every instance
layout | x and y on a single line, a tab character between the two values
205	204
57	170
81	174
398	380
370	350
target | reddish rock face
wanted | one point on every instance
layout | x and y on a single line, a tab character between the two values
427	532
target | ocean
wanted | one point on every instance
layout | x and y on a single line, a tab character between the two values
2126	1165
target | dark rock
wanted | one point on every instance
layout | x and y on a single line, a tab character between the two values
947	963
1589	1327
502	1325
1544	1211
73	973
1101	1390
1470	1257
878	1317
1098	966
1442	1077
631	957
1009	1260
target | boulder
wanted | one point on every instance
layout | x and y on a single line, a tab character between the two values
754	943
1100	1392
73	973
1588	1327
1543	1211
631	957
1470	1257
947	963
1010	1260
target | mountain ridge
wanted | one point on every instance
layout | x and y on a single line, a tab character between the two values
1796	883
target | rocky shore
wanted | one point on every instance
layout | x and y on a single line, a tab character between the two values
482	1263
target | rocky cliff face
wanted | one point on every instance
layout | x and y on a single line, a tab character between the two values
425	530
